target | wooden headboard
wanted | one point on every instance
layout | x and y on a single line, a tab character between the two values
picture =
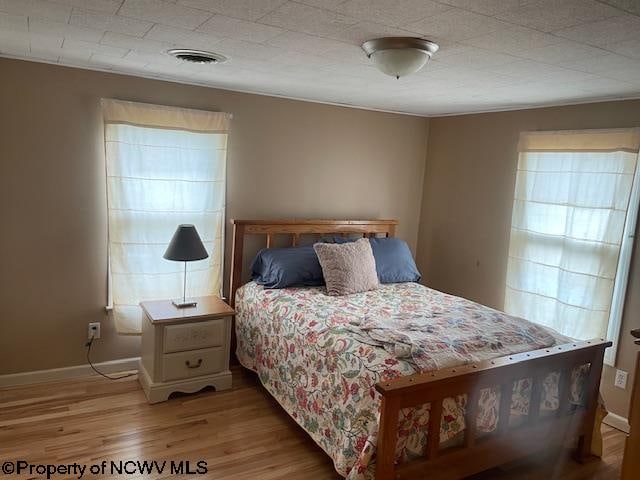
296	228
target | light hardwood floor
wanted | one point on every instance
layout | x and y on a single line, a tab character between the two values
241	433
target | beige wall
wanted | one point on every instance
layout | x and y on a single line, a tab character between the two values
466	209
285	159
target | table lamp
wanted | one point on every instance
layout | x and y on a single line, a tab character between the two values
185	246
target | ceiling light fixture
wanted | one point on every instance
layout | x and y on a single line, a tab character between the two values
399	56
197	56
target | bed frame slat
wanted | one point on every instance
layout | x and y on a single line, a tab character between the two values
388	436
433	436
536	397
564	391
506	393
471	418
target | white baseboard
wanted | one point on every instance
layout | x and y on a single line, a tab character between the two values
39	376
617	422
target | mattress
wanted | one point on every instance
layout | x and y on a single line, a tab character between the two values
312	356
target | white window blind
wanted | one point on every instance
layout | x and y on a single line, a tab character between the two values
574	214
165	166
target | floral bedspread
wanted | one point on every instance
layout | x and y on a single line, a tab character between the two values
312	354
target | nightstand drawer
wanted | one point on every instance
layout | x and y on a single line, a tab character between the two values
191	336
176	366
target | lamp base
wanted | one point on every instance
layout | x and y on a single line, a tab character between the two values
184	304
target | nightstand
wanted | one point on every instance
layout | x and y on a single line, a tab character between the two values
184	349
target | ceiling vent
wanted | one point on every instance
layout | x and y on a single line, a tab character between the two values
197	56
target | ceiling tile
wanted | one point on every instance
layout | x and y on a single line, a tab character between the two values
159	71
220	25
456	25
10	21
338	79
630	6
48	55
80	46
562	52
526	92
526	70
628	48
550	15
487	7
304	60
349	53
360	32
607	86
451	78
473	78
38	25
105	21
109	62
135	43
74	58
610	66
236	78
244	9
14	46
357	69
325	4
303	43
106	6
447	49
37	8
306	19
231	47
396	13
566	76
21	37
163	12
182	37
472	57
256	64
162	59
42	41
513	40
616	29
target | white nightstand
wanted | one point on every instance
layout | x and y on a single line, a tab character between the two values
184	349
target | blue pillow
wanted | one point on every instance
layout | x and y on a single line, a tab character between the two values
287	267
394	262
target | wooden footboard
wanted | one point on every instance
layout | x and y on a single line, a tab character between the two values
508	442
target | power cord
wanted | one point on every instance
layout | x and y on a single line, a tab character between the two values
88	345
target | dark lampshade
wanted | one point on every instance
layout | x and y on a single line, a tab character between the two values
186	245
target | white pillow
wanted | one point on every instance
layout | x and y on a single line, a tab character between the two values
347	267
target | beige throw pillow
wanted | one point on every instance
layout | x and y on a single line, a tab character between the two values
347	267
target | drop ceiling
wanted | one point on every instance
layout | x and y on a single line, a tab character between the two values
495	54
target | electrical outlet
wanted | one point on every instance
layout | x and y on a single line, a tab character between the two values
94	331
621	379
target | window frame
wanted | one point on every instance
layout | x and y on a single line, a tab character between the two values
621	281
623	139
161	117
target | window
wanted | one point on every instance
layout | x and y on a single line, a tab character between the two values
574	216
165	166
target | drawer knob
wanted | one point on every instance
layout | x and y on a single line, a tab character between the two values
188	364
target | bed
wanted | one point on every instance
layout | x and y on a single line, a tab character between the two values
383	413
